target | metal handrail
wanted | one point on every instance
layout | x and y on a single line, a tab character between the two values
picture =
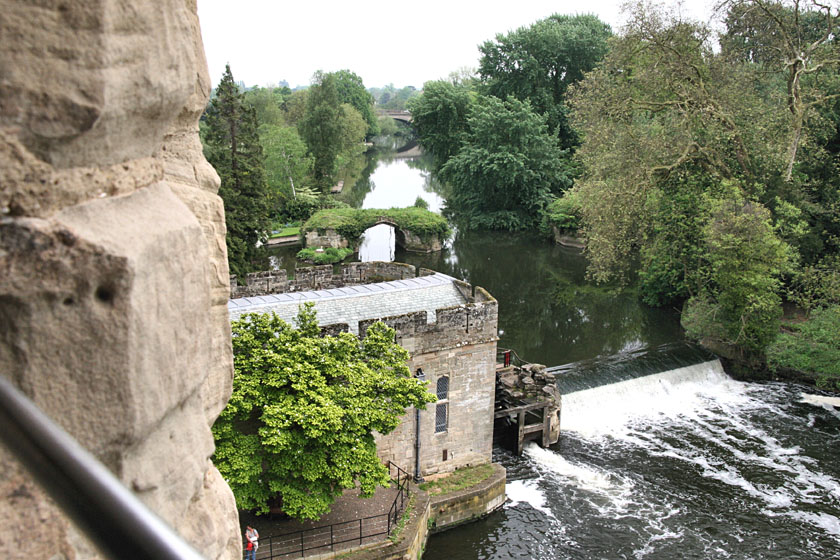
517	360
285	545
108	513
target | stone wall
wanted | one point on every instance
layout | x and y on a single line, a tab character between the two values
329	238
467	505
113	268
321	278
460	345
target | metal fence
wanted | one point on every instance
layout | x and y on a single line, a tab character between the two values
338	536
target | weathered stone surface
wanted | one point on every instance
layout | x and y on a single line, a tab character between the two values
113	267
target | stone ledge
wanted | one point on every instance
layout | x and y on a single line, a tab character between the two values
469	504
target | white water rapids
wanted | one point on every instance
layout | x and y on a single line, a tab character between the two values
689	464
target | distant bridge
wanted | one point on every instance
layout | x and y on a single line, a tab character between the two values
403	116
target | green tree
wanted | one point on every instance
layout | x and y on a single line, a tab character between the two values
268	104
321	129
287	163
300	421
538	63
352	90
797	39
739	304
664	118
440	117
507	167
232	146
332	130
294	107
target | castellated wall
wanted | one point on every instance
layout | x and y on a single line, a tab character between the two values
113	269
322	277
460	345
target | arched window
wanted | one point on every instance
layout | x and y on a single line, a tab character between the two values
442	408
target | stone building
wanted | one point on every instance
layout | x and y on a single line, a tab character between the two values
113	268
449	329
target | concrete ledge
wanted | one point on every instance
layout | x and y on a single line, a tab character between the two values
450	510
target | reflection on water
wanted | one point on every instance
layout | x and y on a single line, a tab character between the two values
547	311
377	244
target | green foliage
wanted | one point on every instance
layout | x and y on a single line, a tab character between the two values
352	90
811	347
232	146
351	223
393	99
420	202
268	104
538	63
506	169
331	129
816	286
321	129
300	422
740	304
287	164
562	213
440	116
329	255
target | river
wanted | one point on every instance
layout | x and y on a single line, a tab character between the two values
686	464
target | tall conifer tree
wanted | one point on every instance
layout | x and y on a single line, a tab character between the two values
232	146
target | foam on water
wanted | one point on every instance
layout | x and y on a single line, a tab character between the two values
528	492
699	416
652	397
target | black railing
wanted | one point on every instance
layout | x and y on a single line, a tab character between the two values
110	515
338	536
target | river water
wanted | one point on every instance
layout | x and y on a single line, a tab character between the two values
682	464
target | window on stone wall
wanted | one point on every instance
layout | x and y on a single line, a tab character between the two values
442	408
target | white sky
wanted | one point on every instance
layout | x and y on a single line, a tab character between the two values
404	43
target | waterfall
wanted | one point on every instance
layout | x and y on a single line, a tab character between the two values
600	409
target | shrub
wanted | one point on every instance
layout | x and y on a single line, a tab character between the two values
811	347
329	255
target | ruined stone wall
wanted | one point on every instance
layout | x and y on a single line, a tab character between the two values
113	268
321	277
460	345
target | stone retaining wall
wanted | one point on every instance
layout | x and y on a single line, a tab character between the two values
469	504
322	277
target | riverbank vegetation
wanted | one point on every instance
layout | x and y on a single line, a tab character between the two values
700	165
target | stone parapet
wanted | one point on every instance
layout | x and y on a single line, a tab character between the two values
321	277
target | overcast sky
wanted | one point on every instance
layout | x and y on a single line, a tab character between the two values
404	43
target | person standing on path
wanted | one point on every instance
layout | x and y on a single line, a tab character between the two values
252	536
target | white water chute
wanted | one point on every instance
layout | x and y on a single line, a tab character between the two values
599	409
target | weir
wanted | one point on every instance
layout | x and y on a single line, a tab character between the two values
535	403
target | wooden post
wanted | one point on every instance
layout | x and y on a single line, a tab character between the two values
521	429
545	428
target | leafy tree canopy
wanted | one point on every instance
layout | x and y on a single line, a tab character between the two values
352	90
507	167
538	63
300	421
440	117
232	146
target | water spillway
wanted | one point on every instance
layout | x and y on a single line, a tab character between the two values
683	462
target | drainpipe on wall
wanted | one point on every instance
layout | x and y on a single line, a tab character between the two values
421	377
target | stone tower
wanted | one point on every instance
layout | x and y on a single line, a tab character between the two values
113	268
